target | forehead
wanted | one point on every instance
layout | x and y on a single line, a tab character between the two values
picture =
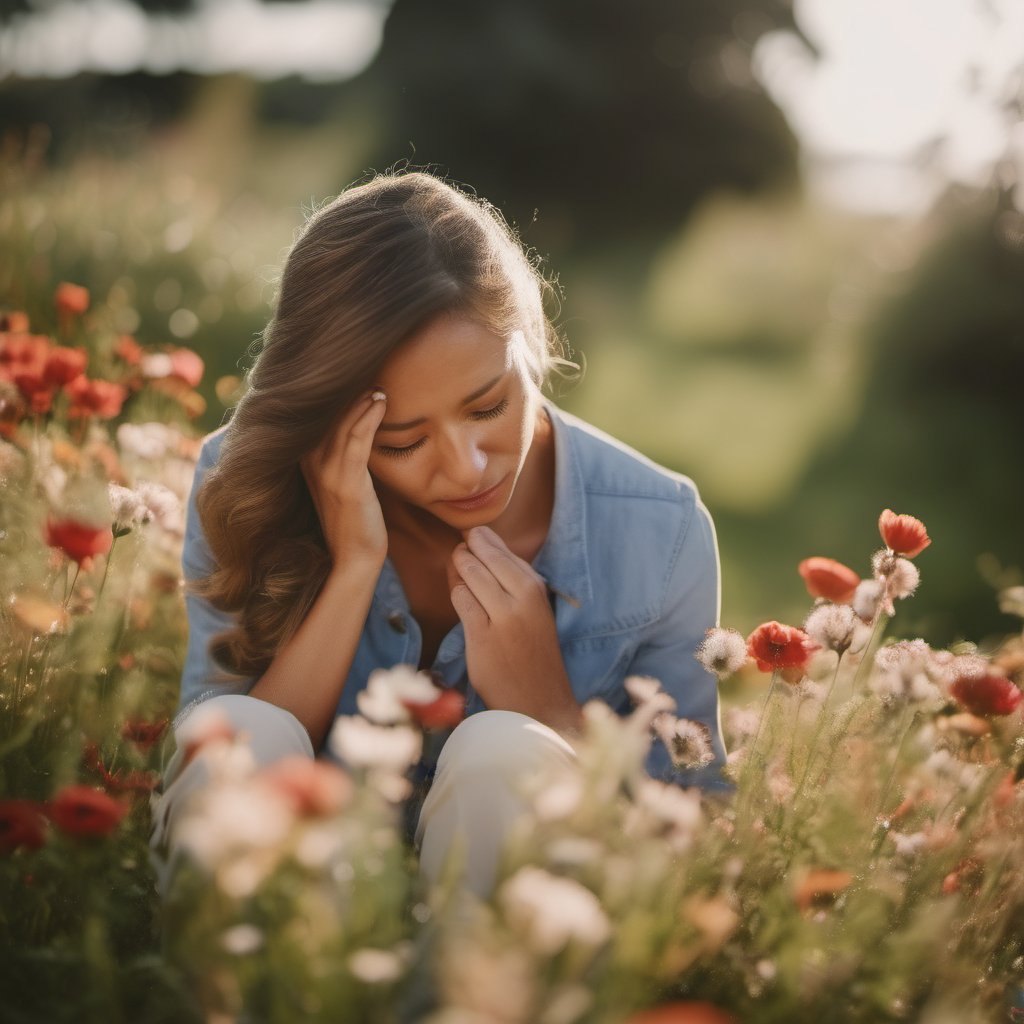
448	358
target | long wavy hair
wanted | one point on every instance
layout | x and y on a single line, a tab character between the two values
365	273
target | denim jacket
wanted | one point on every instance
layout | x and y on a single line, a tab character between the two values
631	558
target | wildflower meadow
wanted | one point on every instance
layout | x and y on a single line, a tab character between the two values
868	867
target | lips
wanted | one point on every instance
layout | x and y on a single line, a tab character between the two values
480	498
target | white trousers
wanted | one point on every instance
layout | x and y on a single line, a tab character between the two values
473	802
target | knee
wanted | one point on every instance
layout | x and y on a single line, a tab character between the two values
502	742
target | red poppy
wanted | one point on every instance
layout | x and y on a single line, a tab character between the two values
682	1013
444	712
987	695
84	811
15	321
188	366
129	350
63	365
827	578
143	734
37	391
99	398
26	352
314	788
78	540
903	534
774	645
71	299
21	824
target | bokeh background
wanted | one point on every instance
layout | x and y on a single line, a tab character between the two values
788	238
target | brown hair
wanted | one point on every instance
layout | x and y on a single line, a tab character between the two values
366	271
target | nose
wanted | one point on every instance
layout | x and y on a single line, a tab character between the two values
463	462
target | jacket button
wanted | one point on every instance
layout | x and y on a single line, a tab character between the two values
396	620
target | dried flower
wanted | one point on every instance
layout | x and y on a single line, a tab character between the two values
819	884
21	825
827	578
85	812
832	626
868	599
688	741
384	698
986	695
553	911
128	507
903	534
776	646
722	651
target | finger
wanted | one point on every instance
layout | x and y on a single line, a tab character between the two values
515	575
469	609
359	444
480	580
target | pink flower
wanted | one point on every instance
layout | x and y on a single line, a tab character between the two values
129	350
84	811
903	534
78	540
827	578
775	646
986	695
315	789
188	366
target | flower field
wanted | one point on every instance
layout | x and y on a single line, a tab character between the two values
868	868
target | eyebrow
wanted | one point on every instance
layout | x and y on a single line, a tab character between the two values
423	419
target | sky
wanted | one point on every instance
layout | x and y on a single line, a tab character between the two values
904	97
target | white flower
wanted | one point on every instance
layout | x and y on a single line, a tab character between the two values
163	505
832	626
129	509
364	745
375	965
386	689
1011	601
741	722
722	651
908	845
670	803
157	364
688	742
867	597
558	797
903	579
231	818
553	911
152	441
903	672
242	939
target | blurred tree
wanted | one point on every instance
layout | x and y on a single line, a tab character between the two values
609	119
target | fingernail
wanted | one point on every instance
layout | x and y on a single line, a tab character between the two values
376	395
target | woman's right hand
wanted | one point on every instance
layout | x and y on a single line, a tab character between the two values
338	479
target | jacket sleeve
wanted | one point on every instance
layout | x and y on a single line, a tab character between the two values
201	676
692	605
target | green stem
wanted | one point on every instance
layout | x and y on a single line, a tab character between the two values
747	767
822	714
892	775
106	568
71	589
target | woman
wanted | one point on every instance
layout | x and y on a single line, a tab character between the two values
393	488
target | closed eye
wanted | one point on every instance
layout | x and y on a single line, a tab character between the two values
404	451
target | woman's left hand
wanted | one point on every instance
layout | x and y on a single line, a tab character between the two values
512	652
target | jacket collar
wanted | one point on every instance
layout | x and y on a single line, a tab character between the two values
563	559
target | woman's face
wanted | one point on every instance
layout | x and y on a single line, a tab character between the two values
461	410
